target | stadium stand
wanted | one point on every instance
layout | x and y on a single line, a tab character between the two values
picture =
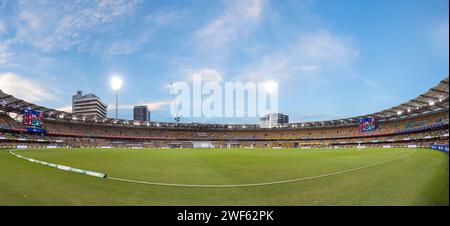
422	121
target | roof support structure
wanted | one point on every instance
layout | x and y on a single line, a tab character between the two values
439	91
14	102
5	97
26	105
430	97
409	105
419	102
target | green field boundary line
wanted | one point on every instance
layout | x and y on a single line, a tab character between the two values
103	175
61	167
260	184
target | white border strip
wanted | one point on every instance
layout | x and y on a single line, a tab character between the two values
61	167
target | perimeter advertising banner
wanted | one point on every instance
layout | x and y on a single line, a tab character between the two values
440	147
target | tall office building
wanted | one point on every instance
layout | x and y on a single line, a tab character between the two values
88	105
273	120
141	113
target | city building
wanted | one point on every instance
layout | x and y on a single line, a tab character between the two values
273	120
88	105
141	113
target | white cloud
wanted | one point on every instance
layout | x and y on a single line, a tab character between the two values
387	98
5	55
30	19
208	74
369	82
129	46
157	105
50	25
151	105
67	108
324	48
164	17
309	67
2	28
237	20
309	54
25	89
440	36
154	22
269	68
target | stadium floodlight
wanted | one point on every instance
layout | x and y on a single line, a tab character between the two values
431	103
399	112
409	110
271	86
116	84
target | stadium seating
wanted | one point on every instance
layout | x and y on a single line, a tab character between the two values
422	130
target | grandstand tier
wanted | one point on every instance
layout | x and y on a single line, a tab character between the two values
420	122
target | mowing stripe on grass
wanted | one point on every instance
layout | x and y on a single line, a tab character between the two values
61	167
258	184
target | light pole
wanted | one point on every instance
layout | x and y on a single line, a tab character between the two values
116	84
117	104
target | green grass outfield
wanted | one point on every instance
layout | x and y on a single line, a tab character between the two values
415	177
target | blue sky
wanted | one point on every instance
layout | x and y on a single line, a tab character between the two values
331	59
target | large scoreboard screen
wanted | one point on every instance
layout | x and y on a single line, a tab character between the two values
32	118
367	124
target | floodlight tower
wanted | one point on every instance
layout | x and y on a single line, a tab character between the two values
116	84
271	87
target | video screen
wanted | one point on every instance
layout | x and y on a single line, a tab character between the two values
367	125
32	118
